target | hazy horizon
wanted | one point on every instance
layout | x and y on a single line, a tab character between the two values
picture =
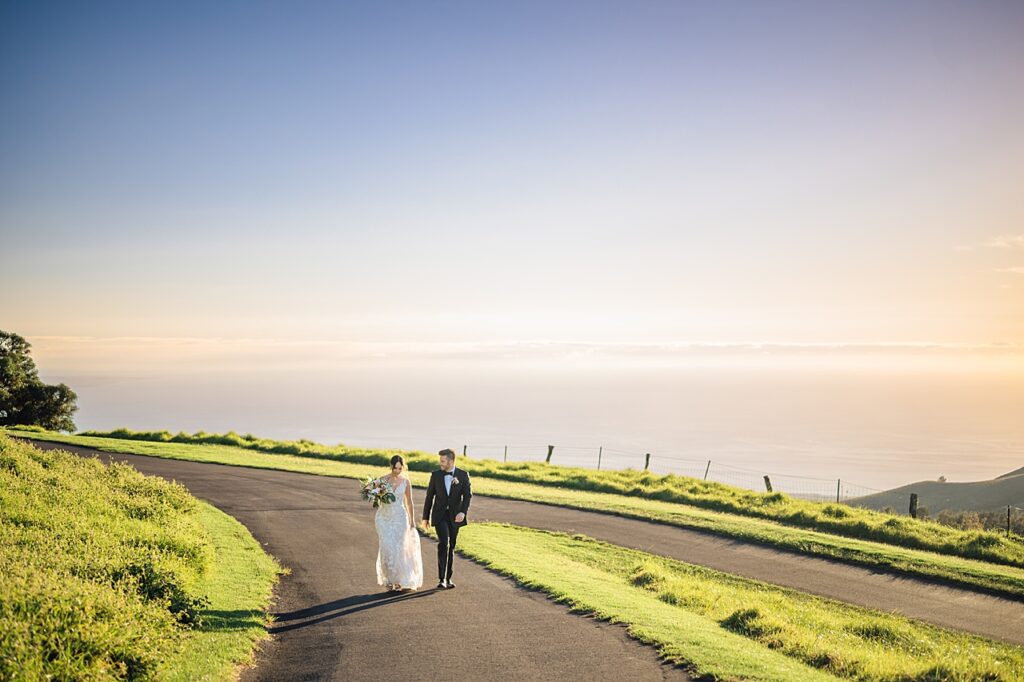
875	417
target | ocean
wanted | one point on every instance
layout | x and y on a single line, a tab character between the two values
810	427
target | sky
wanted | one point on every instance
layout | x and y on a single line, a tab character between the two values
500	178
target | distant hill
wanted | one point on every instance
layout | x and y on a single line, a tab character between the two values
974	496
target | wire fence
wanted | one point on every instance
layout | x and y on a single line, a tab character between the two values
602	458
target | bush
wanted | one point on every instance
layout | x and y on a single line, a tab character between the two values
99	567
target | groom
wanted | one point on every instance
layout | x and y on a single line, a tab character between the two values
447	504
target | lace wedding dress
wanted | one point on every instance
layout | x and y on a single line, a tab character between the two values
399	561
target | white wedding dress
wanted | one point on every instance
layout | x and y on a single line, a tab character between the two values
399	561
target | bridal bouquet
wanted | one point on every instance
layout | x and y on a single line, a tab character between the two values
378	491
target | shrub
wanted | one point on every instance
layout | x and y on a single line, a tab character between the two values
99	567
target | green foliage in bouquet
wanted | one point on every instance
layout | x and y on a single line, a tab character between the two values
377	491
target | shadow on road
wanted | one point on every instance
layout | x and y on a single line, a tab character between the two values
340	607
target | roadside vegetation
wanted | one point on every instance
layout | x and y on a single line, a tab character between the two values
835	519
112	575
997	577
727	627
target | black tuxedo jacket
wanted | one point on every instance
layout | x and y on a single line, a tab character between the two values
442	505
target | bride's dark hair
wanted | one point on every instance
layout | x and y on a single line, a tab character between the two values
396	459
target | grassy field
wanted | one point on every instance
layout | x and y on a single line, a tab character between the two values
728	627
994	577
834	519
111	575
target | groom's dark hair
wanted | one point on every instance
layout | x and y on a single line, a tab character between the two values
448	452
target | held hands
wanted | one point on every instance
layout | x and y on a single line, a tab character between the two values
425	523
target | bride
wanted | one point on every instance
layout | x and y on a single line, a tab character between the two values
399	562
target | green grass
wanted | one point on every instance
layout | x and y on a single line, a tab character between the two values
727	627
111	575
237	587
993	577
835	519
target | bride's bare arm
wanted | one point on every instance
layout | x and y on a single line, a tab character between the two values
409	503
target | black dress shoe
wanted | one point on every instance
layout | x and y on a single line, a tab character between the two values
442	586
450	585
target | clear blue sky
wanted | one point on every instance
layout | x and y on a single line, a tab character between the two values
592	172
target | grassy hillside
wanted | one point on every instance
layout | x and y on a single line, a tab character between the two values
725	627
935	496
835	519
998	578
111	575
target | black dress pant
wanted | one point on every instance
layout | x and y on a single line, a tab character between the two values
447	534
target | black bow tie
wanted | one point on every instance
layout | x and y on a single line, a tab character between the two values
449	473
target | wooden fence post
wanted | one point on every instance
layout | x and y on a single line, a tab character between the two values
707	469
551	448
1007	520
768	483
647	461
463	450
599	451
506	454
913	505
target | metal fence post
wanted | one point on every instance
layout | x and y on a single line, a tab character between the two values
599	451
707	469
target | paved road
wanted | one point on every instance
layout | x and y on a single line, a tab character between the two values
959	608
335	623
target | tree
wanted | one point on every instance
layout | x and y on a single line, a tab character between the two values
26	400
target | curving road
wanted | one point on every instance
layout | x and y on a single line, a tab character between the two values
330	612
335	623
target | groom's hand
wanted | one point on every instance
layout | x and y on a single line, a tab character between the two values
459	517
425	523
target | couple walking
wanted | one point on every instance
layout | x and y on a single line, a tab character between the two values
399	562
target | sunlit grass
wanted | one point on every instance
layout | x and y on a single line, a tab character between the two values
110	575
990	576
730	627
237	587
835	519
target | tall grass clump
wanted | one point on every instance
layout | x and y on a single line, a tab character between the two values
836	519
99	567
